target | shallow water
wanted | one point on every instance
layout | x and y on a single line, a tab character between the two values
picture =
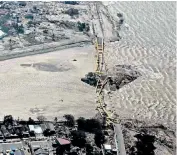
150	23
148	42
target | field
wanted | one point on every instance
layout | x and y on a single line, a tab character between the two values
48	84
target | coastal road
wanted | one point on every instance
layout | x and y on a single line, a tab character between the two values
119	140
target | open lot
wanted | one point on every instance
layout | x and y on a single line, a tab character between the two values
48	84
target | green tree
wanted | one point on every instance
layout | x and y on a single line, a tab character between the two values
81	123
70	121
41	118
99	138
78	138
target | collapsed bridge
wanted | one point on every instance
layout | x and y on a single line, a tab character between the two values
101	81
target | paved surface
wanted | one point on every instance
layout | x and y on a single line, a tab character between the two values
120	140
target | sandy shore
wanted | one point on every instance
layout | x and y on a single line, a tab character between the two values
50	87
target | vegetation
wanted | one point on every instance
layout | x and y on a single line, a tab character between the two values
48	132
8	120
119	15
121	21
89	125
19	133
83	27
22	3
71	2
144	145
19	29
78	138
72	12
99	138
53	37
92	125
30	23
70	121
81	123
41	118
29	16
90	78
30	121
45	31
89	149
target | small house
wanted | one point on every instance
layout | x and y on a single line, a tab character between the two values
48	129
62	145
40	147
36	129
107	149
12	148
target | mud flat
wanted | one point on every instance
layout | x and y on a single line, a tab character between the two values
47	84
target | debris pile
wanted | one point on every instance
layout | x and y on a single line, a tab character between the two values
72	11
121	75
120	21
140	135
91	78
71	2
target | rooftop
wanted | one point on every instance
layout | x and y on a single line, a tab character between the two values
35	128
7	147
63	141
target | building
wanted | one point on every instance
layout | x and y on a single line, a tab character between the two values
12	148
1	135
41	151
48	129
62	141
5	131
17	152
62	145
107	149
3	12
36	129
41	147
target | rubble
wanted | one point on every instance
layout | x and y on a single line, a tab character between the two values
91	79
162	135
71	12
121	75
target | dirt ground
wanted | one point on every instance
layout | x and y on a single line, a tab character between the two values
48	84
